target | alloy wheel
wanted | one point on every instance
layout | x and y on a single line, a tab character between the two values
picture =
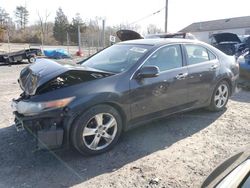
221	96
100	131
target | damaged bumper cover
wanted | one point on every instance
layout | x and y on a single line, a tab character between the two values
46	126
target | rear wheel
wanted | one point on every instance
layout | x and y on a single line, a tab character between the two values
97	130
31	59
220	97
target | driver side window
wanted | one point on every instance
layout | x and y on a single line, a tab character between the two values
166	58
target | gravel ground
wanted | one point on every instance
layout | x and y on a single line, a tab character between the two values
174	152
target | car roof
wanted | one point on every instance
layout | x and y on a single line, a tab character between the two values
159	41
164	41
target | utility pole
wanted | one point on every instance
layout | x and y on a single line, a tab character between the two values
8	35
42	40
68	41
166	17
103	33
79	39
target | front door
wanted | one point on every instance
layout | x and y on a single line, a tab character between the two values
167	91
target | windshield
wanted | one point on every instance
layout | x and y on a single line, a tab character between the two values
117	58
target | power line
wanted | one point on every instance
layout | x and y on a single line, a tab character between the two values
154	13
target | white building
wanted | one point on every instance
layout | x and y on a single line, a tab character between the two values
203	30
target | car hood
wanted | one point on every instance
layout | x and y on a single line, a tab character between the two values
226	37
54	76
125	35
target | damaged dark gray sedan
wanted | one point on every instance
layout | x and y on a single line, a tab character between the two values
90	105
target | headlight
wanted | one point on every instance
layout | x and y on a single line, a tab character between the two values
31	108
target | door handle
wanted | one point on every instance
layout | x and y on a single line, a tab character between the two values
181	76
214	67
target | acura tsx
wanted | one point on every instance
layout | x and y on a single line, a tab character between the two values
89	105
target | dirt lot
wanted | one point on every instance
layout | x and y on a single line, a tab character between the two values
175	152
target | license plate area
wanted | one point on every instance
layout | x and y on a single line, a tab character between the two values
19	125
14	105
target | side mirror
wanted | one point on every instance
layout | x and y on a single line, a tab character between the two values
148	72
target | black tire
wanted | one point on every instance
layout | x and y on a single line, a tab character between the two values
213	104
77	130
31	59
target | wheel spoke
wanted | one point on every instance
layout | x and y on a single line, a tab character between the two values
216	98
99	119
218	103
220	90
107	137
224	99
95	142
88	131
225	91
111	123
221	102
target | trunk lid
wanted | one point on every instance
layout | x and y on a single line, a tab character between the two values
125	35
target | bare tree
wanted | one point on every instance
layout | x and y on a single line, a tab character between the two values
134	27
152	29
44	26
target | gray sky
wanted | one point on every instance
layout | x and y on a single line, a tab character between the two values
181	12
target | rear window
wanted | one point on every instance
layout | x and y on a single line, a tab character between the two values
196	54
211	55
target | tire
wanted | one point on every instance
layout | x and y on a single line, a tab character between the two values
31	59
220	97
90	134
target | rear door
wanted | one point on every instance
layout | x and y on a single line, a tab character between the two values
203	67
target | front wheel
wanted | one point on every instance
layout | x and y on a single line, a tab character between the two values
96	130
220	97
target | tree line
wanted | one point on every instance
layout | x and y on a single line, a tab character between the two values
62	31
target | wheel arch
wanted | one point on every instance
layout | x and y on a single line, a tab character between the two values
229	83
120	111
116	106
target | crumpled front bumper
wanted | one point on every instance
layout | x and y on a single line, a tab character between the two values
46	127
